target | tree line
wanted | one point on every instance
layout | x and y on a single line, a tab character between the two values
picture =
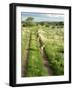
29	21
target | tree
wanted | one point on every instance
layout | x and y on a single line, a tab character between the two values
29	21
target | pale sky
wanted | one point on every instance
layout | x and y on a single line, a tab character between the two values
42	17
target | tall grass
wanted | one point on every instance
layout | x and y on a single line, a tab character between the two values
54	48
35	62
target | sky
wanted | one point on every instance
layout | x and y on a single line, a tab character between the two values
42	16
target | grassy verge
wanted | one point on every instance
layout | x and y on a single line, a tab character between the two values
53	42
35	63
24	46
56	59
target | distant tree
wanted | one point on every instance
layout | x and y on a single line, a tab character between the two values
61	23
29	21
46	24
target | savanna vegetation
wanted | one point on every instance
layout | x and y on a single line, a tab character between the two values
40	38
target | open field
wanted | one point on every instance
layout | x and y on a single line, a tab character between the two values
42	49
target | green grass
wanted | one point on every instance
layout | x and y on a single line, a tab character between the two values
55	58
25	38
35	62
24	46
54	48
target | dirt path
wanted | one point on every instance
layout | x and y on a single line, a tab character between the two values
45	60
46	63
